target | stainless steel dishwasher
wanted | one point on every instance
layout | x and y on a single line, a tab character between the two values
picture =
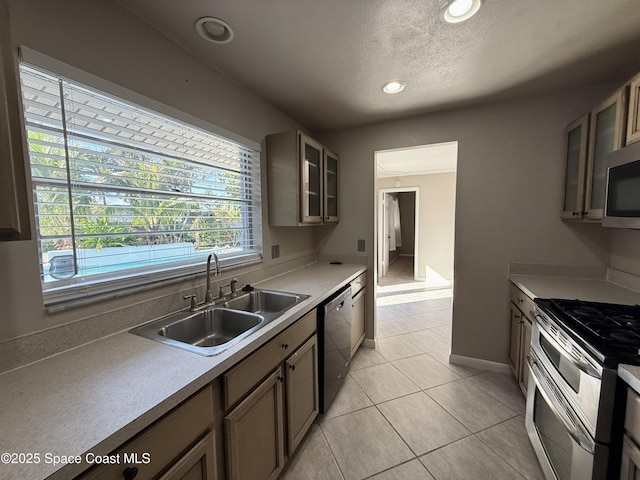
334	334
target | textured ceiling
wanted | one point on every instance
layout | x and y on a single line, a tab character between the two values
324	62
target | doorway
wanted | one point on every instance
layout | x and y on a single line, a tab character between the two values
398	234
423	177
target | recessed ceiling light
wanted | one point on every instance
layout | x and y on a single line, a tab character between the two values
461	10
394	86
214	30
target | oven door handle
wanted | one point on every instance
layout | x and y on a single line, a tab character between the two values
582	439
582	366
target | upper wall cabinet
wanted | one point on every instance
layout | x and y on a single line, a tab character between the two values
14	204
302	181
577	134
606	133
633	122
589	139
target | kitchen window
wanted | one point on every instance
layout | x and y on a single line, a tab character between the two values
127	197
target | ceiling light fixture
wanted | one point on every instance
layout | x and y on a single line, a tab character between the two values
214	30
460	10
394	86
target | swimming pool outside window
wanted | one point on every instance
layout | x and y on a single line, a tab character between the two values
125	196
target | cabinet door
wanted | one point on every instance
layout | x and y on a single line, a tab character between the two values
633	122
330	187
525	346
606	134
301	392
576	164
630	464
14	203
311	180
199	463
358	320
254	442
514	346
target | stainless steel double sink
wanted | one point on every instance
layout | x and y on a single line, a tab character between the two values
213	329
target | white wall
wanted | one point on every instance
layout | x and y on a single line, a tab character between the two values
436	210
509	190
101	38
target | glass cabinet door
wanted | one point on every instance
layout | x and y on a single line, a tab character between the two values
576	161
311	180
330	187
606	134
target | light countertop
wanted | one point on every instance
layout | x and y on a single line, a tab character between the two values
588	289
95	397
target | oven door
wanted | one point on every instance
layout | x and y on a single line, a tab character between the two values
578	377
562	443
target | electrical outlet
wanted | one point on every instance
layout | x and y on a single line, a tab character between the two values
361	245
275	251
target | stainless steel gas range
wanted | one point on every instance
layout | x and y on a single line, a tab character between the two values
575	402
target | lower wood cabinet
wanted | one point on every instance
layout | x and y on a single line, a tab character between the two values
179	446
254	440
199	463
520	343
301	386
273	416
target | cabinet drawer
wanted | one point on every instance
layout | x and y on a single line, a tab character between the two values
632	416
359	283
163	441
248	373
522	301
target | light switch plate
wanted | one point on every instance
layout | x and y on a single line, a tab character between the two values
275	251
361	245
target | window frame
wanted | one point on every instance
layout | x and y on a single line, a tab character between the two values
61	293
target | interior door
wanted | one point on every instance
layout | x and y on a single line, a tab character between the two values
383	249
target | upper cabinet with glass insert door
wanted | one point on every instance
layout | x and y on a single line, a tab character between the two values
302	181
576	162
633	122
331	162
606	133
590	138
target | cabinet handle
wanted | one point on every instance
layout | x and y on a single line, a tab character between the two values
285	345
292	367
280	378
130	473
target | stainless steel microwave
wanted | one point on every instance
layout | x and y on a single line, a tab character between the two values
622	204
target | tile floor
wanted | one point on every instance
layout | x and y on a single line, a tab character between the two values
404	412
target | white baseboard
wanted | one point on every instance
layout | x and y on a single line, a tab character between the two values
479	363
369	343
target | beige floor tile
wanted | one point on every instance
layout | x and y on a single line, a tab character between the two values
397	326
313	460
366	357
422	423
510	441
394	348
349	399
442	356
425	340
424	371
503	387
444	331
470	405
383	382
413	470
468	459
363	443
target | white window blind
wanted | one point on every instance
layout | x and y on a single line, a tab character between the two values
125	196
